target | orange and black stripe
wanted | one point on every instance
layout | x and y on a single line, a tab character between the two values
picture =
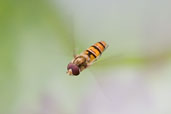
96	50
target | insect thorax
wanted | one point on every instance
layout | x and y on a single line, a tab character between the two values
81	61
78	60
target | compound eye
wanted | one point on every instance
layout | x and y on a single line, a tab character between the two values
74	68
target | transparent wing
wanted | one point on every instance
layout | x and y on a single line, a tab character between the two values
73	38
63	29
103	71
106	62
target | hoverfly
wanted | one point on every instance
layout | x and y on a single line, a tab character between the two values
86	58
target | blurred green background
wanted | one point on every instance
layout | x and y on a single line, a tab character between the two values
37	39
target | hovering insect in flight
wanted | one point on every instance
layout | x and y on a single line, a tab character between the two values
86	58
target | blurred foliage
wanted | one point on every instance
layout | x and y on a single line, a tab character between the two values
132	60
17	19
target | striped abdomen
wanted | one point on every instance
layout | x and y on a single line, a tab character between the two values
95	50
